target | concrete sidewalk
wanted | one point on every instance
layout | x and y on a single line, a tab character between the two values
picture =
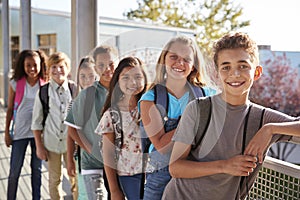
24	189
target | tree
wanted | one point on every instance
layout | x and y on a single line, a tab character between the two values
209	19
278	86
278	89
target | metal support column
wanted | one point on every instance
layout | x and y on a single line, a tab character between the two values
25	25
5	48
84	23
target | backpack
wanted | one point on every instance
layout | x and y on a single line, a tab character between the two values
204	109
89	104
116	118
19	93
44	98
161	101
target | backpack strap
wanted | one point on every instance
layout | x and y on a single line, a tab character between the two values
44	98
117	123
72	87
204	110
256	122
20	89
89	103
42	82
87	111
161	100
196	91
256	118
19	93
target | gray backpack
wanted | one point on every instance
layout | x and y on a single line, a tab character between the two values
204	109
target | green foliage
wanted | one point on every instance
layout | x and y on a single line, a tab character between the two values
209	19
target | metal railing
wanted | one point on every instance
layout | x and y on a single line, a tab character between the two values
277	180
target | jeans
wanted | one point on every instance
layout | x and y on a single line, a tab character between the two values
158	168
156	183
16	163
131	186
94	185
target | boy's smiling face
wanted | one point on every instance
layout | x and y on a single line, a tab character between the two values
105	67
237	72
59	72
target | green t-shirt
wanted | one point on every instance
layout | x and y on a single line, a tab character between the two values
75	118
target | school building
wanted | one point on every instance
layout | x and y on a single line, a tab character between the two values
51	31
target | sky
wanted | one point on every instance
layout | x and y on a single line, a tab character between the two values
272	22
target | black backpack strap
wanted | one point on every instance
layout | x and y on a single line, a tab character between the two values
44	98
161	100
72	87
204	110
255	118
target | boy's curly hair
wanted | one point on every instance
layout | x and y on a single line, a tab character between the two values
234	41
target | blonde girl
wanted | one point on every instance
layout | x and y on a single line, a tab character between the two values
180	69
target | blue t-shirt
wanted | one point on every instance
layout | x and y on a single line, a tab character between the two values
174	103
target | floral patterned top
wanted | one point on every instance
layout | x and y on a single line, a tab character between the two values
130	158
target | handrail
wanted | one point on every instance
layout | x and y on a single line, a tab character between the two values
277	180
282	166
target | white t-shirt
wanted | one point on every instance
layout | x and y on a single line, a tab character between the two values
23	118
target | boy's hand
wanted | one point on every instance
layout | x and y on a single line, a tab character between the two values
71	168
42	153
259	143
240	165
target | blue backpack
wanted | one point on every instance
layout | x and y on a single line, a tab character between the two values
161	101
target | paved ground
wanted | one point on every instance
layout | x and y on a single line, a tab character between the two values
24	189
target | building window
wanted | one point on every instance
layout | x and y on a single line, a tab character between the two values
14	46
47	43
